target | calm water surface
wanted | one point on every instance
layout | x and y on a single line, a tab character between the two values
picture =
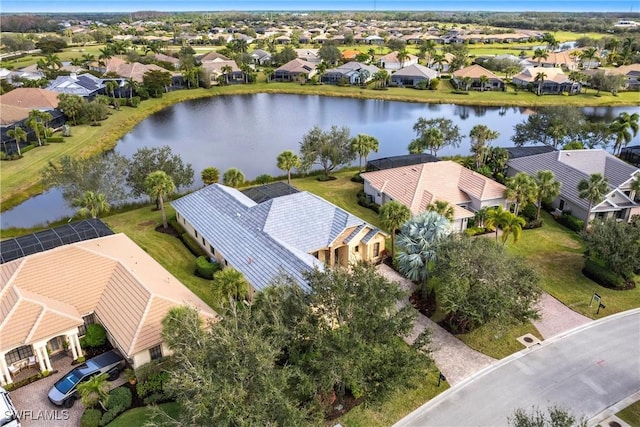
249	131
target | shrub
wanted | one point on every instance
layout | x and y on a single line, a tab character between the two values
263	179
28	148
433	83
205	268
55	139
536	223
90	418
152	378
363	200
529	212
571	222
95	336
192	245
602	275
133	102
119	398
173	222
472	231
357	178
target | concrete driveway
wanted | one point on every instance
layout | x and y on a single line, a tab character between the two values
587	371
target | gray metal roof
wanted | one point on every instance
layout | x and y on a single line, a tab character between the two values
572	166
267	239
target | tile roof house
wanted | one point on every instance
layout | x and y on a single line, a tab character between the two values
48	298
216	69
293	70
288	234
555	81
133	70
413	75
418	186
351	72
475	72
390	61
11	115
572	166
31	98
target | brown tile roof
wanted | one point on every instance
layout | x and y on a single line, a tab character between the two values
136	70
10	114
212	55
47	293
31	98
298	65
552	74
417	186
475	71
216	65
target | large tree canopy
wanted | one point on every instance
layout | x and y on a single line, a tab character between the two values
147	160
551	126
478	282
329	149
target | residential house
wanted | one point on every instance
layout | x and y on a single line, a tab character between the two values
261	57
418	186
392	62
294	70
130	71
31	98
564	59
444	66
631	72
290	234
84	85
373	39
211	56
555	80
350	54
48	299
352	73
226	69
475	72
572	166
309	55
168	59
413	75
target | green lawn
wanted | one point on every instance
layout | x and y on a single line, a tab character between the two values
138	416
498	341
557	254
631	414
170	252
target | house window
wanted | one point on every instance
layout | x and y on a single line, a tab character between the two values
376	249
356	249
203	243
89	319
226	263
213	251
18	354
561	206
196	231
184	221
155	352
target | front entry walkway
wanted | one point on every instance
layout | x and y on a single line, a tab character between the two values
556	318
454	359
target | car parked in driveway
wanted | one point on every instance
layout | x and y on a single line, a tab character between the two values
8	413
64	391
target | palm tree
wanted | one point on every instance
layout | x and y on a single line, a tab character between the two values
91	203
94	390
157	185
210	175
233	177
87	59
133	86
522	189
540	54
540	79
53	61
588	55
428	47
372	54
483	80
548	187
496	217
393	215
443	208
363	145
511	224
479	135
418	242
111	86
402	56
550	40
226	69
37	121
229	284
381	78
286	161
439	59
321	68
481	216
624	127
593	189
19	135
363	76
466	82
76	62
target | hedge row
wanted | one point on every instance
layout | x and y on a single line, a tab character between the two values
205	268
192	245
571	222
363	201
602	275
55	139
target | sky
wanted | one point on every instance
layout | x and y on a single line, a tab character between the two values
35	6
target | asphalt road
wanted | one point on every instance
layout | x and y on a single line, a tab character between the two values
585	371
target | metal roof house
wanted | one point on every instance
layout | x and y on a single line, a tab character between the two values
288	235
572	166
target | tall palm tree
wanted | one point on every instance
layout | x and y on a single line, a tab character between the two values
624	128
443	208
233	177
593	190
321	68
111	86
210	175
133	86
521	189
548	187
418	242
53	61
550	40
19	135
439	59
286	161
428	47
381	78
157	185
483	80
92	204
363	145
511	225
229	284
588	56
94	390
37	121
393	215
226	69
479	135
87	59
496	217
540	54
402	56
363	76
540	79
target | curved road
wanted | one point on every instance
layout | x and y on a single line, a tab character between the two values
586	371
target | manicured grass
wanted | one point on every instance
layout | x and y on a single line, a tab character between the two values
557	254
398	405
138	416
498	341
169	251
631	414
341	192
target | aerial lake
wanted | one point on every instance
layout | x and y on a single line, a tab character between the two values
249	131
